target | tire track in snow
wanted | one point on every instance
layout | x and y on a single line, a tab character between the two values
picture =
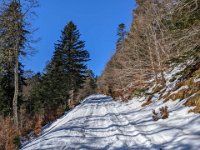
68	128
135	134
97	120
99	113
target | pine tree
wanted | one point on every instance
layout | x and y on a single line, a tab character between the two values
66	71
75	56
121	33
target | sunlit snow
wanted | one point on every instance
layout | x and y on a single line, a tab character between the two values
101	123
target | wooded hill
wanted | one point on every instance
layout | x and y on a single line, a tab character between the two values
163	34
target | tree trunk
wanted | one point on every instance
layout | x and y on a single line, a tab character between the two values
16	69
16	93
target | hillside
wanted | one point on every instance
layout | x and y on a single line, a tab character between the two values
101	123
163	34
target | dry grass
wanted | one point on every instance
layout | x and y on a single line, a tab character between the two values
38	125
9	136
27	123
193	87
71	104
158	88
197	73
178	95
148	101
52	114
194	101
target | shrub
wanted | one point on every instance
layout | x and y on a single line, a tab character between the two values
193	87
16	140
26	123
181	94
162	114
38	125
9	135
155	115
194	101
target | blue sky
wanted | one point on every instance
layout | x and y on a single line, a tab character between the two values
97	21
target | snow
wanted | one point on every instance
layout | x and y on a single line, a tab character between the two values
101	123
173	73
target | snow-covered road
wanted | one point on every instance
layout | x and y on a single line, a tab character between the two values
101	123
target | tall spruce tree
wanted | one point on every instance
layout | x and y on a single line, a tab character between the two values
66	71
74	55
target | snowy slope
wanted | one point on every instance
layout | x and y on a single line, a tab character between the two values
101	123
